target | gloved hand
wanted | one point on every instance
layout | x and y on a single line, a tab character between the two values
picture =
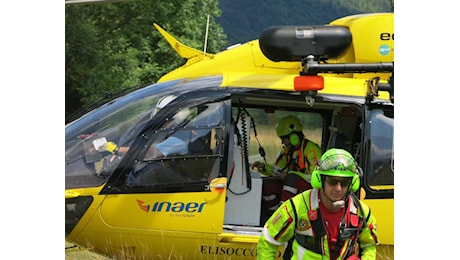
259	165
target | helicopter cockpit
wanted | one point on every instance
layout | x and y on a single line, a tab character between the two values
97	142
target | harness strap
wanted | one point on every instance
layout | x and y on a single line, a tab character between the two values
312	243
355	227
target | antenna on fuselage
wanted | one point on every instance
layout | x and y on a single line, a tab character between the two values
206	35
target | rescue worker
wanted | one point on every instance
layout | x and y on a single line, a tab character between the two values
294	163
326	222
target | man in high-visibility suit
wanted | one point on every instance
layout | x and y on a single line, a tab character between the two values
328	221
294	164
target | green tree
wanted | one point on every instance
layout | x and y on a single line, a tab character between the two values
114	46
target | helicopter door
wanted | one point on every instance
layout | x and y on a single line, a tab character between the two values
378	181
174	186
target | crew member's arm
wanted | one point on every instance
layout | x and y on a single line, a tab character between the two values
268	169
278	230
368	240
265	249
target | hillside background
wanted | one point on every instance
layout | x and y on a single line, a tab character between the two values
244	20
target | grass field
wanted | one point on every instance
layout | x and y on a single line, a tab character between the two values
383	253
73	252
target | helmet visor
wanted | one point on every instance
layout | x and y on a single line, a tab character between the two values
338	163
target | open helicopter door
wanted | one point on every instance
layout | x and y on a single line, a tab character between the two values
244	191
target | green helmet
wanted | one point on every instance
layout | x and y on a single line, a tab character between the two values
288	125
338	163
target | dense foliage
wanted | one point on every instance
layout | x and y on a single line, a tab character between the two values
113	46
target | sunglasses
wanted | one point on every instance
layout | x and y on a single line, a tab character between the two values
333	181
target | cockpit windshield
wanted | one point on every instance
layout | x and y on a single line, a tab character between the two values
96	142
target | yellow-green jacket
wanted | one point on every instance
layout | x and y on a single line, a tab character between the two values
295	217
305	159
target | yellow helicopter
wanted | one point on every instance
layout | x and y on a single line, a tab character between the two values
164	172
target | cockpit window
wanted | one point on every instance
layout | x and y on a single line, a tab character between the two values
381	160
98	141
185	149
94	152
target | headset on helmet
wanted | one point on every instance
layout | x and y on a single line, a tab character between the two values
338	163
288	126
